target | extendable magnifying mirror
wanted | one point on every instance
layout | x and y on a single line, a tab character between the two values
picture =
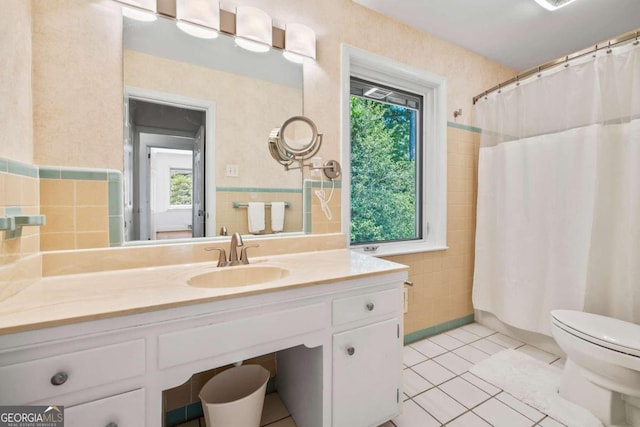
298	140
299	136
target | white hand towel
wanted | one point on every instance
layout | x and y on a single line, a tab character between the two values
277	216
255	214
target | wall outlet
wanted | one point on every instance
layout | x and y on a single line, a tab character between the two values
405	300
233	170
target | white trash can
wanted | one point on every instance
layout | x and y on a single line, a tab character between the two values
234	398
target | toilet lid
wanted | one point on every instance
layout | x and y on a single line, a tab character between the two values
605	331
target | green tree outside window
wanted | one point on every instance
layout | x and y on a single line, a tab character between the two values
383	172
181	187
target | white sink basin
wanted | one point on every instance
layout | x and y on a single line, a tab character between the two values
231	277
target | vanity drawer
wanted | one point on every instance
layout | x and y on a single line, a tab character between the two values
364	306
228	336
36	380
123	410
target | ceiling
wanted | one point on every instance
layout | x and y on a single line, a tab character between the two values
517	33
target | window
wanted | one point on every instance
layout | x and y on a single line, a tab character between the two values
181	187
386	182
394	141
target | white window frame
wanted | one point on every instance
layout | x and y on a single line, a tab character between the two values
375	68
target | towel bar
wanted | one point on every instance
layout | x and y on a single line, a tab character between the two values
266	204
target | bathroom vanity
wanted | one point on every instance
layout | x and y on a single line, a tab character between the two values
105	345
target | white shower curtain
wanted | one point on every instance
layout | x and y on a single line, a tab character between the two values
558	222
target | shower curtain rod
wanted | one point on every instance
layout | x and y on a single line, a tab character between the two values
565	60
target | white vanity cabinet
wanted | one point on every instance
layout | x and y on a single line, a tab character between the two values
338	347
366	379
122	410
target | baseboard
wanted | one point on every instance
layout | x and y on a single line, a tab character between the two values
437	329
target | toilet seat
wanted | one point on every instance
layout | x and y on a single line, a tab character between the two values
607	332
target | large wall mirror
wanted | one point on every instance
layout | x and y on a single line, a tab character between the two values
197	116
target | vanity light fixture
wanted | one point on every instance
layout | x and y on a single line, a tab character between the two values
299	42
253	29
199	18
553	4
140	10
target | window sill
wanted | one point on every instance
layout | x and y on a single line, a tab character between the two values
401	249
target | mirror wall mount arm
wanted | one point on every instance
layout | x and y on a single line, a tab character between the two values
331	168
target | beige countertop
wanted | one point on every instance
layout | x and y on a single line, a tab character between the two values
65	299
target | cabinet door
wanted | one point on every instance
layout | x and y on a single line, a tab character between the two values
367	374
123	410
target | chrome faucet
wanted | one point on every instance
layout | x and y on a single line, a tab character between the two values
236	242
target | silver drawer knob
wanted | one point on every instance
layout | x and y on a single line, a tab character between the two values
370	306
59	378
111	424
351	351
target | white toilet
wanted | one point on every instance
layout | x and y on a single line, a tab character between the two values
602	372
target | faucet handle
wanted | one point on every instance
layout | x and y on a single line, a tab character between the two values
222	259
243	253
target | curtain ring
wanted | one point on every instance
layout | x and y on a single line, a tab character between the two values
609	49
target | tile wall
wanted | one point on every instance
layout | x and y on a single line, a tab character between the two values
18	192
316	220
83	208
443	279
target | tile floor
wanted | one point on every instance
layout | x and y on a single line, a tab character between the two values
439	390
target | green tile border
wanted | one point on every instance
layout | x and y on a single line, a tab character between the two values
84	175
194	411
114	176
313	183
18	168
175	416
46	173
464	127
58	172
116	230
115	198
437	329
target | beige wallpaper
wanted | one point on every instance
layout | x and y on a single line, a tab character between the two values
77	83
16	140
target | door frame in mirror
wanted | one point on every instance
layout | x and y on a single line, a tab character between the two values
179	101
